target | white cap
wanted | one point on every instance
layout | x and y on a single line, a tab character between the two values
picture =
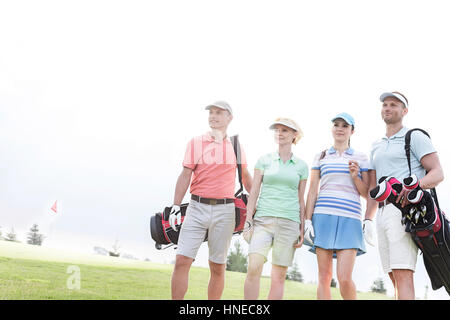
395	95
220	104
285	122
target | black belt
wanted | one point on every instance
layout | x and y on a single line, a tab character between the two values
383	203
211	201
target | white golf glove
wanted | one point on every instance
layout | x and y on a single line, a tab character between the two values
309	231
175	217
368	232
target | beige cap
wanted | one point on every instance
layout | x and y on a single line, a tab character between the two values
285	122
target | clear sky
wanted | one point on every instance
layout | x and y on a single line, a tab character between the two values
99	98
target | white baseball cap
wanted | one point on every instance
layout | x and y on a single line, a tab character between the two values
220	104
394	94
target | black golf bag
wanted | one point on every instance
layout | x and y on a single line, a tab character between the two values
433	240
163	234
160	229
431	233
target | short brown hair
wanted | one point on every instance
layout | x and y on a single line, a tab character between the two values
402	96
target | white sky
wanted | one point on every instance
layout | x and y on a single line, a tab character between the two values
99	98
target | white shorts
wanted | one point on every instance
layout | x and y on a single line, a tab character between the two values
396	247
218	220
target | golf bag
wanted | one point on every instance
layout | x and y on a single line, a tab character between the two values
160	229
432	233
163	234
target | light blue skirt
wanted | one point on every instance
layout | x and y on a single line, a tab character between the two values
336	233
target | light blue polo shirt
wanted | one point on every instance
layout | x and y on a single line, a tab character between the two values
388	155
279	190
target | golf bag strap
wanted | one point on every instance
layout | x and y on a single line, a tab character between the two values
408	145
408	157
323	154
237	152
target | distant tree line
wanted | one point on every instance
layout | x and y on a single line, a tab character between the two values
114	252
378	286
33	236
237	260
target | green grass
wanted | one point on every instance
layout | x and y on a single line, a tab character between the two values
104	278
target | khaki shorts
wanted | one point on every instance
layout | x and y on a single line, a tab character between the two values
396	247
218	220
277	233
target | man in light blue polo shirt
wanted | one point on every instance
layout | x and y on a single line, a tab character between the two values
397	250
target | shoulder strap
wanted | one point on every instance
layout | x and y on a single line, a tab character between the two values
408	157
237	152
408	145
322	155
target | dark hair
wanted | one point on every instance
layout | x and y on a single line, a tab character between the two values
353	128
322	155
401	95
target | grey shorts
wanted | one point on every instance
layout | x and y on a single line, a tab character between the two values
277	233
218	220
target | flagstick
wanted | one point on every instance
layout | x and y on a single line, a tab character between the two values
54	209
50	230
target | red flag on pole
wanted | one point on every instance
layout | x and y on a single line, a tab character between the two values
54	208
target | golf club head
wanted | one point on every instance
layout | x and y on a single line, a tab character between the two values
415	196
395	184
411	182
381	192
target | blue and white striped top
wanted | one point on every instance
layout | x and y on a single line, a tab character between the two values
338	194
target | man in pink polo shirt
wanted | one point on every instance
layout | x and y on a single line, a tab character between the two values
212	161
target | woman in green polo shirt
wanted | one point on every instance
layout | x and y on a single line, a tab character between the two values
279	182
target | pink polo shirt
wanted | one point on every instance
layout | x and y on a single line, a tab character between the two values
214	166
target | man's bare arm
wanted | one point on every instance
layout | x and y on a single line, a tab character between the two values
184	179
247	180
435	173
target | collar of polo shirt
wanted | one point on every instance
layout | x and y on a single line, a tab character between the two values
276	156
401	133
210	138
349	151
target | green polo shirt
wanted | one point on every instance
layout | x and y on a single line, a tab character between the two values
279	190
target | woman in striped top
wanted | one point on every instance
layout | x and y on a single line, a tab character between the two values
333	215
